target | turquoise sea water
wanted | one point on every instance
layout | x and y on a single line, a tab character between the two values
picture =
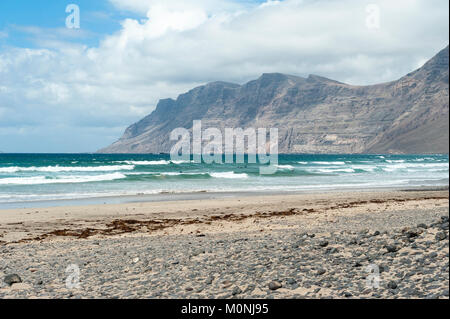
42	177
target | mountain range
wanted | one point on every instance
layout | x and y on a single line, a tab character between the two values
313	114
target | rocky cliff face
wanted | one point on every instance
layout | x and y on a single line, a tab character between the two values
314	114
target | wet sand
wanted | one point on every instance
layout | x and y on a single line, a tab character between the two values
204	215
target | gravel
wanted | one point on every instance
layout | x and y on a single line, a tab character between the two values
275	264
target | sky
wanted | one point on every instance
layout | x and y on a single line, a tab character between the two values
67	90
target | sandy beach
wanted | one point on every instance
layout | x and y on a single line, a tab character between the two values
266	246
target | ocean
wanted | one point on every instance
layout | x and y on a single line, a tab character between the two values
28	180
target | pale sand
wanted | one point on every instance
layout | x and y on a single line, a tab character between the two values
225	215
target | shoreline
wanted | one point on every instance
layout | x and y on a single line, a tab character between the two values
200	195
164	217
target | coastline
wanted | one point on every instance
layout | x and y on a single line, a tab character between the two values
315	245
198	195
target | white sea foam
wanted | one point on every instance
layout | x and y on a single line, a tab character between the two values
180	162
285	167
329	163
159	162
143	163
367	168
420	166
228	175
37	180
181	173
336	170
58	169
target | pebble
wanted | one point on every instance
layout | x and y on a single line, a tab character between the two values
392	285
291	281
391	248
441	236
236	291
12	279
275	285
321	272
227	284
323	243
239	265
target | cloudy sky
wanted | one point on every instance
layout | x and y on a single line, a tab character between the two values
76	90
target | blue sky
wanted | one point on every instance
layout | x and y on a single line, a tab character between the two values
99	18
76	90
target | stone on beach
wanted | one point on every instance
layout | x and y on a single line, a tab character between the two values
275	285
12	279
391	248
441	236
323	243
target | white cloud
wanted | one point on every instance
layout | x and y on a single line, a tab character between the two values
181	44
209	6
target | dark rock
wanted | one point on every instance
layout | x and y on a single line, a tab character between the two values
323	243
291	281
412	233
321	272
334	250
433	255
392	285
12	279
441	236
236	291
209	280
391	248
199	290
274	285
